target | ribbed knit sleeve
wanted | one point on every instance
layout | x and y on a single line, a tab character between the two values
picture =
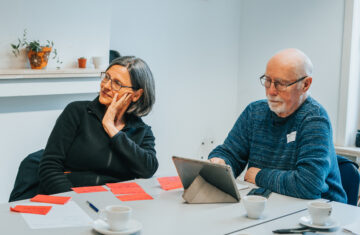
307	180
235	149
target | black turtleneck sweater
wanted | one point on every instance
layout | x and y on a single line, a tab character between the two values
79	144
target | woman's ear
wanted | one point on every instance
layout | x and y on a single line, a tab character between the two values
137	95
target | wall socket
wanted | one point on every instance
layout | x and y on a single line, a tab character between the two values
206	146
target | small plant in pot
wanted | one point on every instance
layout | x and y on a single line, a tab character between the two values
37	53
82	62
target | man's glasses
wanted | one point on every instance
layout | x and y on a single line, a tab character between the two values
266	82
115	84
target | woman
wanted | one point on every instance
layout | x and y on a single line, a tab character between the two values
104	140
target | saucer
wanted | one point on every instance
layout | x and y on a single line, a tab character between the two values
306	220
102	227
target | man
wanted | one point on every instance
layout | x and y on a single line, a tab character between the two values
286	140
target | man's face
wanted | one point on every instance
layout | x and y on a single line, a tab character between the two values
283	103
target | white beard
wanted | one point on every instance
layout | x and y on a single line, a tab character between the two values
275	107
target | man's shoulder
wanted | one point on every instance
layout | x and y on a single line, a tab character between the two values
313	108
258	106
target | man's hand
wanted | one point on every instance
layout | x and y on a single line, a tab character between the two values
113	118
251	174
218	161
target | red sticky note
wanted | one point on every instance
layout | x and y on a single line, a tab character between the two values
41	210
50	199
125	188
89	189
171	182
135	197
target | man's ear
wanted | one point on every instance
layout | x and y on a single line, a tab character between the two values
307	84
137	95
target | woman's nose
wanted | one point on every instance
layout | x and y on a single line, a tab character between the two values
107	84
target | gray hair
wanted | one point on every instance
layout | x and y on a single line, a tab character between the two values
141	78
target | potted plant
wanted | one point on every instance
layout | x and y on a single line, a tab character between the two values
37	53
82	62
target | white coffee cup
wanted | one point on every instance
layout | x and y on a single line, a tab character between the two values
116	216
254	205
319	212
100	62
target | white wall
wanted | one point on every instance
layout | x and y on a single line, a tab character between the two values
192	48
206	56
78	28
314	27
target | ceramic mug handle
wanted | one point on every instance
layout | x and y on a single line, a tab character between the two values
102	215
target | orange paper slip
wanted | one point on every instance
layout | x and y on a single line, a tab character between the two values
41	210
50	199
89	189
125	188
171	182
135	197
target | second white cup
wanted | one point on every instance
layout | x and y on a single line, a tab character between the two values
100	62
254	205
116	216
319	212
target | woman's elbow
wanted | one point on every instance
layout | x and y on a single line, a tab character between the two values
150	168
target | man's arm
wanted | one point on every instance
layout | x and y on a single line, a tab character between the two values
307	180
235	149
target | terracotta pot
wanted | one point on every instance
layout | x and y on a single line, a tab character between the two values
39	60
82	63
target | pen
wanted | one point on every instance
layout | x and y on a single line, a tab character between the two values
92	206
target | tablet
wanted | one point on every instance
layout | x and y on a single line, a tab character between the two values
220	176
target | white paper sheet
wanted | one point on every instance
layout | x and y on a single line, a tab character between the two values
68	215
241	186
353	228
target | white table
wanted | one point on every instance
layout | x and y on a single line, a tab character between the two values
167	213
344	214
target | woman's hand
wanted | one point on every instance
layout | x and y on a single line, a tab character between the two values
113	120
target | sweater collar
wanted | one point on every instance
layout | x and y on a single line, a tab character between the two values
280	120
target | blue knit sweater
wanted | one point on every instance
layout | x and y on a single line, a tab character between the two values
295	154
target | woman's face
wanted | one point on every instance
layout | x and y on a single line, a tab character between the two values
119	74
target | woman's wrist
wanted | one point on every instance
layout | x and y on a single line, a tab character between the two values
110	129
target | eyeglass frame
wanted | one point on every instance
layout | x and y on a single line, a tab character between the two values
276	83
111	81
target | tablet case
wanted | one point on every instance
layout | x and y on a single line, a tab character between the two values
206	182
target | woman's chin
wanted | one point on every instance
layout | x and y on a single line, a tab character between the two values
104	100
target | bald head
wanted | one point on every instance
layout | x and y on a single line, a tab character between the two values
292	68
292	61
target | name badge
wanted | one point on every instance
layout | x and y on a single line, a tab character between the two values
291	137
